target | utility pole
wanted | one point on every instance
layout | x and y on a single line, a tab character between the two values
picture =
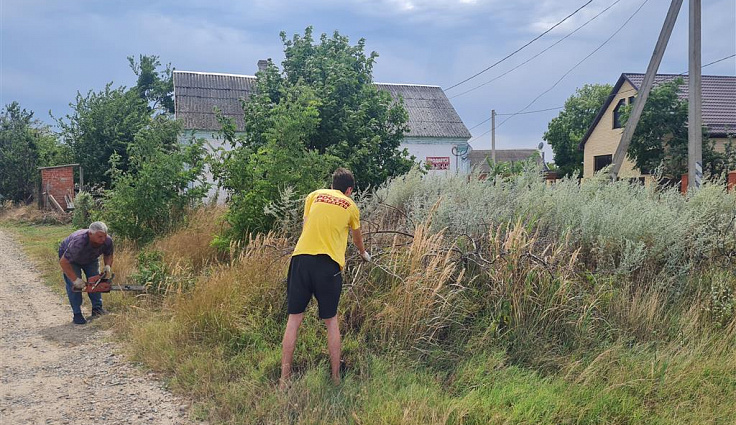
695	102
493	136
646	86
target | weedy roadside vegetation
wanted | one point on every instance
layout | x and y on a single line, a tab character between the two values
488	301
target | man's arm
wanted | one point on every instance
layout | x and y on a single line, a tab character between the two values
358	241
67	268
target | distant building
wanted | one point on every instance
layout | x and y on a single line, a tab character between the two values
436	132
479	158
603	137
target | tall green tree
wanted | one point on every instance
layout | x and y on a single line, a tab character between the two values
565	131
319	112
163	179
154	86
25	144
661	136
103	123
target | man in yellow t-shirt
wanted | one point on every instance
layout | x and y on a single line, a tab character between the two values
317	263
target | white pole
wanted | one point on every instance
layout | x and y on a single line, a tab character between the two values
493	136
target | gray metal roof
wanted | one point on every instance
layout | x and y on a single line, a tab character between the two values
196	94
479	162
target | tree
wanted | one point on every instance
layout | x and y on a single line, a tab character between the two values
25	144
565	131
104	123
155	87
320	112
661	136
163	179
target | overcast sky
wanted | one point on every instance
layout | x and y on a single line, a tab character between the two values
52	49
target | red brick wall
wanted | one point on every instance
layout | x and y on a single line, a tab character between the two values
732	180
60	182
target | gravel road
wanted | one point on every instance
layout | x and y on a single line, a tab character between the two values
55	372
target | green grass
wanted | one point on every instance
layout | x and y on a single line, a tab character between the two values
220	345
41	244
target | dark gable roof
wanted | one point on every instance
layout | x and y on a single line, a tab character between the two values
196	94
479	162
719	101
430	112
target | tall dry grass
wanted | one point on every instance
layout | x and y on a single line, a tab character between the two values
190	247
515	311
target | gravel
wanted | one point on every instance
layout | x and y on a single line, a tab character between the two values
55	372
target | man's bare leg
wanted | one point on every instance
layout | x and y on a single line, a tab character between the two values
287	347
333	345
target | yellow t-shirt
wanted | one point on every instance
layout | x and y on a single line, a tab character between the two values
328	214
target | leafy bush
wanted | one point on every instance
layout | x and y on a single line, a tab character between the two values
165	178
84	206
152	272
319	112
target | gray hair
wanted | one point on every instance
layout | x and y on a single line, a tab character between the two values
98	226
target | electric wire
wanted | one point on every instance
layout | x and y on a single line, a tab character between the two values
538	54
522	47
579	63
562	107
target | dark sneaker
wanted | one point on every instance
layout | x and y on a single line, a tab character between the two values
79	319
98	312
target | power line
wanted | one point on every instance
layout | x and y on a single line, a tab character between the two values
540	53
579	63
562	107
521	113
522	47
719	60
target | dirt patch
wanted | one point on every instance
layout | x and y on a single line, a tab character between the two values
54	372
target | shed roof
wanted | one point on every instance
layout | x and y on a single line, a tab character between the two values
479	162
196	94
719	100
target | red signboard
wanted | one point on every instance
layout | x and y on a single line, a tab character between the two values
438	162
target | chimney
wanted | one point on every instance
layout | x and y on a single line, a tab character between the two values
262	64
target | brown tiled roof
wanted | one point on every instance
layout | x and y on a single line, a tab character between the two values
719	100
196	94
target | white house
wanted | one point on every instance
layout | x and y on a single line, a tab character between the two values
436	136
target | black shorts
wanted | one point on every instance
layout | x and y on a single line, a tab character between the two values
317	275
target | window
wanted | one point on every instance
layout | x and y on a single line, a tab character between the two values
601	161
631	100
617	113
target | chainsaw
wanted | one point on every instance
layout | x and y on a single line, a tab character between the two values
102	283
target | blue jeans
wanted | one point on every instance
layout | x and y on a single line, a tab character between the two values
75	298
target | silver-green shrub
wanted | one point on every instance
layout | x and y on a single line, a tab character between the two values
621	227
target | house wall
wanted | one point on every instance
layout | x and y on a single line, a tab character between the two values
605	139
720	144
422	148
214	142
